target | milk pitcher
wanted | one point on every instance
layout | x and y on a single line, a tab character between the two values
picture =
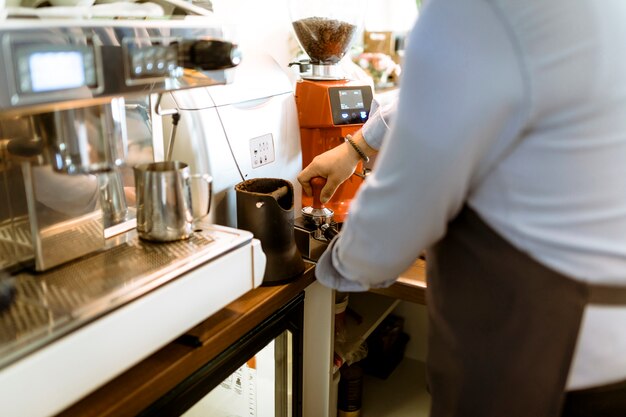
164	200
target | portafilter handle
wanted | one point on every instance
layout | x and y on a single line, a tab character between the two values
317	184
317	216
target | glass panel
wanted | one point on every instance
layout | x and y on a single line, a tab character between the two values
284	374
261	387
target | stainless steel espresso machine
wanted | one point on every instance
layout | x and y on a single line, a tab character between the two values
63	124
79	106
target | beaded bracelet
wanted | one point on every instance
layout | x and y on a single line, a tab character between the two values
358	150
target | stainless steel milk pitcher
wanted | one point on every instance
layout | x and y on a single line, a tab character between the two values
164	201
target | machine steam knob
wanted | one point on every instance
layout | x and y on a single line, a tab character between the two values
210	54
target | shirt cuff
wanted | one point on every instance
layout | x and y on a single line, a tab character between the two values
377	126
328	275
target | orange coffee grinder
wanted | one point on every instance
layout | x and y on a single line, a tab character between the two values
330	106
327	112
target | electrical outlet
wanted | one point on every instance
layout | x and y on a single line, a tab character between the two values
262	150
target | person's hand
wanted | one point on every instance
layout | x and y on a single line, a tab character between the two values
336	165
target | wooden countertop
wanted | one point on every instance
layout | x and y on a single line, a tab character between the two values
140	386
410	286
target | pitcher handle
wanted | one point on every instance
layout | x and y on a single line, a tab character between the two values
209	181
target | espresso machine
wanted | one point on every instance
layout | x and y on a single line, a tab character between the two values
330	105
79	107
63	104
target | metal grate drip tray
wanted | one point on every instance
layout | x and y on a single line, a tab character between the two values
48	305
15	242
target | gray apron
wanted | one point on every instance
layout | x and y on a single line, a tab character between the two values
502	327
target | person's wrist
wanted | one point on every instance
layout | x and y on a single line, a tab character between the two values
356	149
350	154
362	143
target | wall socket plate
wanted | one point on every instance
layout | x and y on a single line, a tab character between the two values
262	150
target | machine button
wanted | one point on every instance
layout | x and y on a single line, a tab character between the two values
137	62
171	53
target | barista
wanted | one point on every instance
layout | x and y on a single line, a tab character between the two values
507	159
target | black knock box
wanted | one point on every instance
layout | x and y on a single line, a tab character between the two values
386	346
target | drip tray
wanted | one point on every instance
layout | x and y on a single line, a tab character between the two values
51	304
15	243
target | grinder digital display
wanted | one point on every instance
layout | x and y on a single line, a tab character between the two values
350	105
351	99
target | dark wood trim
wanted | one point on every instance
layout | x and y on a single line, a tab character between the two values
289	317
143	384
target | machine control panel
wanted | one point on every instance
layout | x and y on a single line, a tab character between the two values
58	64
146	63
157	59
42	67
262	150
350	105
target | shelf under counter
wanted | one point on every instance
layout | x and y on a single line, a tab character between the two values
140	386
365	313
367	310
146	382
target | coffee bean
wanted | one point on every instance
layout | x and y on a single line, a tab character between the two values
325	40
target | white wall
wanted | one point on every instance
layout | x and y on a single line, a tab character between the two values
390	15
260	27
265	26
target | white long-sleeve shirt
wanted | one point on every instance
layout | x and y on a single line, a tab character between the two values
478	76
377	127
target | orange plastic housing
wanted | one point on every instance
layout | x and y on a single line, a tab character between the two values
318	133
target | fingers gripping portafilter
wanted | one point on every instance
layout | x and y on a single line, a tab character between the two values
318	217
316	227
265	206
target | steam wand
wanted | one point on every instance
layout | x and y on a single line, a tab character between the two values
170	148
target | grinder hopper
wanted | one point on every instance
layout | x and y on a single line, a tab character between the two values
325	30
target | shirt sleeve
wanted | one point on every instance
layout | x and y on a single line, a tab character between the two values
377	126
463	92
